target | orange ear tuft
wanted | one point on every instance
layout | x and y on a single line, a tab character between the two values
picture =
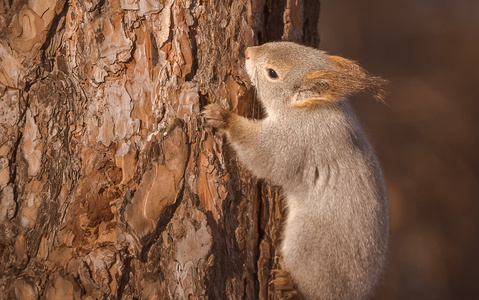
345	78
343	63
355	79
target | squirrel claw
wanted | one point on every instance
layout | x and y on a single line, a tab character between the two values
291	295
215	116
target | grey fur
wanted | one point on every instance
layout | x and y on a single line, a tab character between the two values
337	227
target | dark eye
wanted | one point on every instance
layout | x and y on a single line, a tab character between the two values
272	73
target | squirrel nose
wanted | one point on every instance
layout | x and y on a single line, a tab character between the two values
247	53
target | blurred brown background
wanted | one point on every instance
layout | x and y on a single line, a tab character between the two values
426	137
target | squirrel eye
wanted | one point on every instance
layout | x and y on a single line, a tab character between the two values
272	73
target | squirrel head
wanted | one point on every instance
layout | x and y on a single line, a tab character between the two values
286	74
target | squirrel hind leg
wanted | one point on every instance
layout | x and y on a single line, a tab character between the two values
283	287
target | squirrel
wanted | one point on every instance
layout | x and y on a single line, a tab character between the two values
310	143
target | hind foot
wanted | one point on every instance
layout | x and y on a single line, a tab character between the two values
283	286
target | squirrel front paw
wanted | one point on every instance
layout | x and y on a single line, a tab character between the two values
216	116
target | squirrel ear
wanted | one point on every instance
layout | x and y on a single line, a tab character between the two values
316	88
346	78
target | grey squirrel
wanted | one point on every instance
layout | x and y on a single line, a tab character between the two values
311	144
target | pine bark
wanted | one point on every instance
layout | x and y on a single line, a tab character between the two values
110	188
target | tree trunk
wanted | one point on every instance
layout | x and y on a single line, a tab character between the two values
110	188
